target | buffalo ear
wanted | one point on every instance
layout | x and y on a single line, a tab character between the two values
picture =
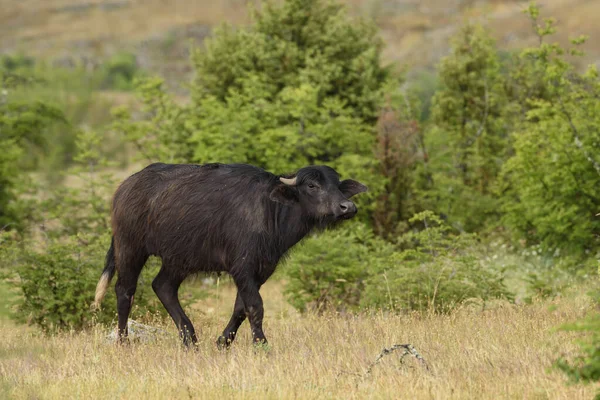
284	194
351	187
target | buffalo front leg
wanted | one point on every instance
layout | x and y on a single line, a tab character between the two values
238	316
253	305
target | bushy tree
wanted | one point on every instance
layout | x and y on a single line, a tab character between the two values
551	186
119	71
22	128
469	138
160	129
300	42
400	151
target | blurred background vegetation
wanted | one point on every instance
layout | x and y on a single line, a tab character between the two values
475	124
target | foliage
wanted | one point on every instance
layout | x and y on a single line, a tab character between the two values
585	367
399	151
72	90
57	281
280	94
162	132
57	285
16	62
436	271
493	143
119	72
469	139
300	42
327	271
22	128
298	87
57	275
551	186
428	270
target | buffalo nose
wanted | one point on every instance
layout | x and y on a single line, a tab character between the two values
347	207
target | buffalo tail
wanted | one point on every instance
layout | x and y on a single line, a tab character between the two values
107	275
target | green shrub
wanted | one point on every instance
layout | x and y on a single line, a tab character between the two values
295	43
584	367
436	271
57	286
163	133
469	139
327	271
23	128
119	72
427	270
58	101
551	186
16	61
57	280
58	262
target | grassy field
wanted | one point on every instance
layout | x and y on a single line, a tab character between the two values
504	352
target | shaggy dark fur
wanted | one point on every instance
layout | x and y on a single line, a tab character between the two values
233	218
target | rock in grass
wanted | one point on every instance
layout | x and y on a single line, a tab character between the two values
138	332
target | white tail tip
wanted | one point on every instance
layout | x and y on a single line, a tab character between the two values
101	289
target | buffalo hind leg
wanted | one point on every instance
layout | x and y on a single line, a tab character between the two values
166	287
238	316
248	290
125	287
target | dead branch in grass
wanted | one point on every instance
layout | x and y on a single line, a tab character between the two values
408	349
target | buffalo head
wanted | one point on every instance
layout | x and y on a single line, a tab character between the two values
319	193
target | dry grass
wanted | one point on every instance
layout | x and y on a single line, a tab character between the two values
416	32
60	21
501	353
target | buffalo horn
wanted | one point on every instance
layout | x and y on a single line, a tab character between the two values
289	182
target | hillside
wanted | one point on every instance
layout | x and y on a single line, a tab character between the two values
159	32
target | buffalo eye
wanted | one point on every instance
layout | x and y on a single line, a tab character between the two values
311	186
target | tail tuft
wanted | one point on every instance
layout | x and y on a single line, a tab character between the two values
101	290
107	275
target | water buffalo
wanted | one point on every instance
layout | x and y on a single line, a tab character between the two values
233	218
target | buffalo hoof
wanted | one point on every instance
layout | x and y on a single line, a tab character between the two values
190	346
223	343
261	346
262	342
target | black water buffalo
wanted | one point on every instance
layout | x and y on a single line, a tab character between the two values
234	218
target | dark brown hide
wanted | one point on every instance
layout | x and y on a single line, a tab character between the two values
232	218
